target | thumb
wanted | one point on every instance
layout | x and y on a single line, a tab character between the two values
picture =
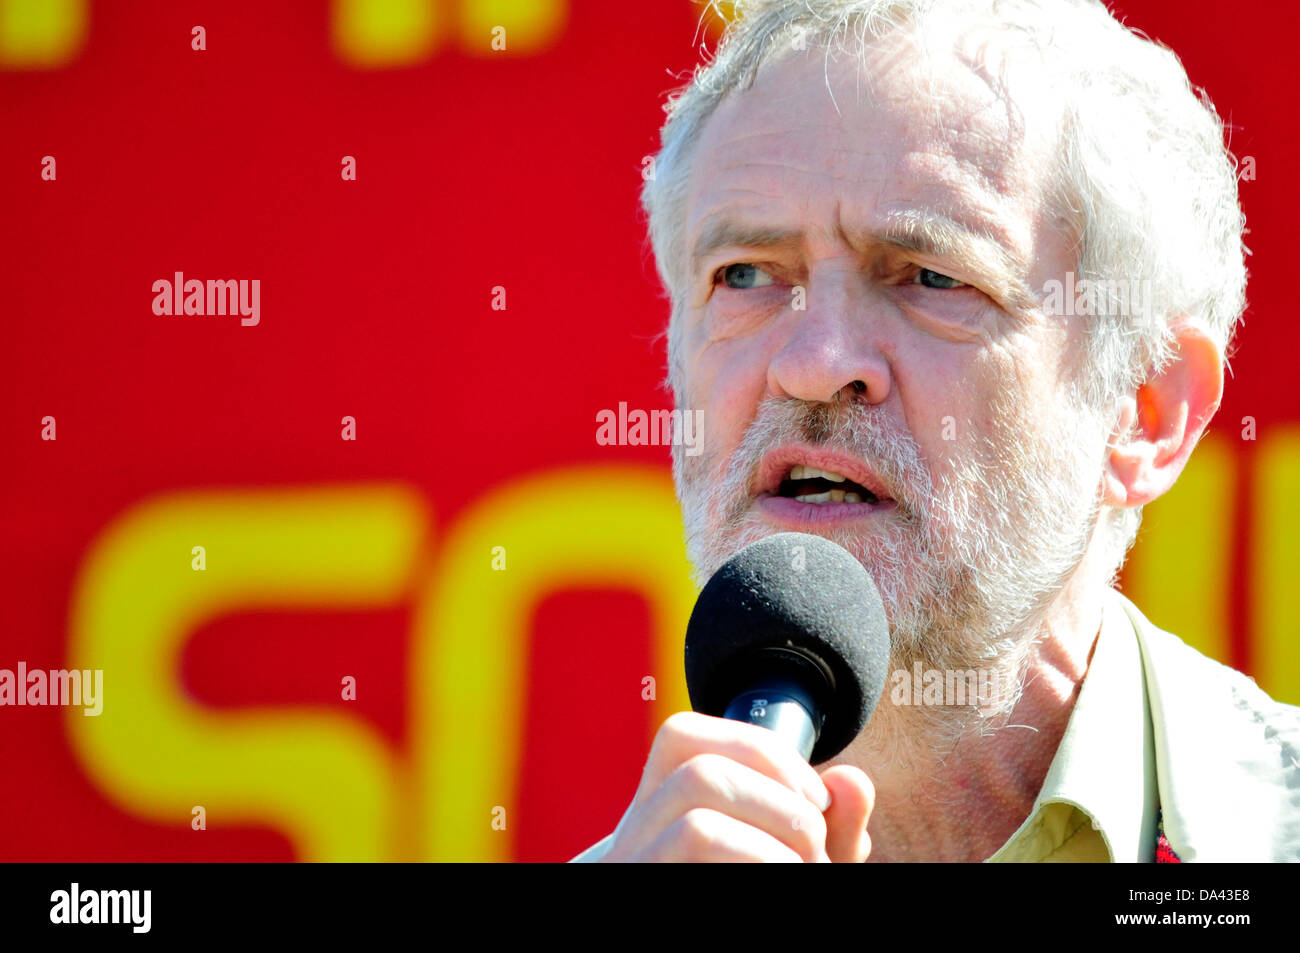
852	798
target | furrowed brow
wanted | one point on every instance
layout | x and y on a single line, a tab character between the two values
923	233
942	237
724	233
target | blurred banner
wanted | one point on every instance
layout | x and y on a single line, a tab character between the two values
361	581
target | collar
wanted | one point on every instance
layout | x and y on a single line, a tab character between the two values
1227	755
1103	775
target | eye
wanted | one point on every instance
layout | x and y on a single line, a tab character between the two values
932	279
742	275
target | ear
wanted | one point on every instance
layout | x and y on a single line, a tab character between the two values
1159	425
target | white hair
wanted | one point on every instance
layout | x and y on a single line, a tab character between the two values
1143	176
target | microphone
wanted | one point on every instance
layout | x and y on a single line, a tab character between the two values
790	634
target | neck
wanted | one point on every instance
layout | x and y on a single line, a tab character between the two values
961	800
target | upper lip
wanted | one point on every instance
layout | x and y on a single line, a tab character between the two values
776	464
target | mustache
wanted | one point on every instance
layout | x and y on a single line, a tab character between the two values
863	431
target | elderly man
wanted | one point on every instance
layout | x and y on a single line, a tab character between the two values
953	283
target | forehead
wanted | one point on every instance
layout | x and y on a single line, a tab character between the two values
845	141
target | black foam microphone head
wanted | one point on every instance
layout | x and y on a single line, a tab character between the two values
792	603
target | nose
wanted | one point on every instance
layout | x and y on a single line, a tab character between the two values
827	350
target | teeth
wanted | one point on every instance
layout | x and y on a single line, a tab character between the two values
831	496
812	473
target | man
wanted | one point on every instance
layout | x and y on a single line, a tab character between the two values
953	283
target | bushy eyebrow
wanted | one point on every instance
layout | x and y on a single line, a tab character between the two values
725	233
922	232
936	235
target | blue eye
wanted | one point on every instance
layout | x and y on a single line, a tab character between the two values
932	279
744	275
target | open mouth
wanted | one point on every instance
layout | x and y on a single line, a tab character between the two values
813	485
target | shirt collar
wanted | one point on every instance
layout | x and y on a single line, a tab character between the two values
1105	764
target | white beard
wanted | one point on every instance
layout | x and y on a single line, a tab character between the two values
966	564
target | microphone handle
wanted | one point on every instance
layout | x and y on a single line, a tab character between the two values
783	705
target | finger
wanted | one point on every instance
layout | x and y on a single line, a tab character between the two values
719	784
687	734
705	836
852	799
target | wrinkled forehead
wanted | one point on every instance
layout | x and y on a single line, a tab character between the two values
965	116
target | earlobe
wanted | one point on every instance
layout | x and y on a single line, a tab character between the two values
1159	424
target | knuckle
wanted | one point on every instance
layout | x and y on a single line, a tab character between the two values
678	723
672	737
676	734
697	830
698	774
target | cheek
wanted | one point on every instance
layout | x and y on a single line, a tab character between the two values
727	380
944	393
1007	383
958	401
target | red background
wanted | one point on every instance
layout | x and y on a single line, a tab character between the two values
473	171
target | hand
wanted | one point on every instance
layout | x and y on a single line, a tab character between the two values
719	790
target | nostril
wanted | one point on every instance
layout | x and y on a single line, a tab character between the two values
859	386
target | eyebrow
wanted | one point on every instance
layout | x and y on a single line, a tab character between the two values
915	230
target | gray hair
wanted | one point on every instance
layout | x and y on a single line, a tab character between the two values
1143	174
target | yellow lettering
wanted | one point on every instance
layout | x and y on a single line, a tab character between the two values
1275	649
41	34
384	33
608	526
531	25
1180	572
324	778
